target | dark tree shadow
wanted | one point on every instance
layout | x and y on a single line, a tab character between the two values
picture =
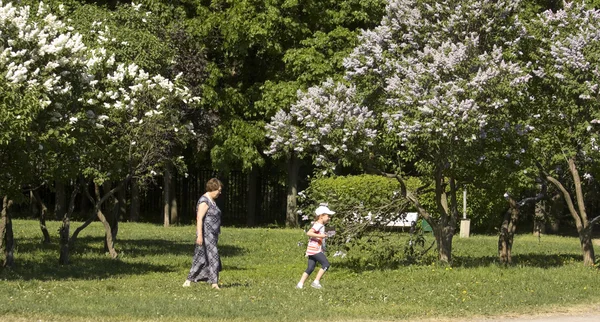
131	247
519	260
150	247
525	260
235	285
89	261
81	268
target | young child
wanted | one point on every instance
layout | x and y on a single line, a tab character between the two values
314	250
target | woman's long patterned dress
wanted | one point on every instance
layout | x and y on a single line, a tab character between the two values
206	263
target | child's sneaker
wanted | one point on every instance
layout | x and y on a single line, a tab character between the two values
299	285
187	283
316	285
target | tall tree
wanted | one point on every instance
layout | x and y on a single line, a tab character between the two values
564	52
117	120
436	80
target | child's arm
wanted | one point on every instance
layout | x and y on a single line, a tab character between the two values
312	233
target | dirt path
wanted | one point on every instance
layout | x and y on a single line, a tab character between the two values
587	313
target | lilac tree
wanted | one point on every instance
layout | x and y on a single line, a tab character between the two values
438	83
326	124
564	91
107	120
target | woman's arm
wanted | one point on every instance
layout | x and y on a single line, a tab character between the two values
202	209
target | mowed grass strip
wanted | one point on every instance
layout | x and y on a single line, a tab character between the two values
261	268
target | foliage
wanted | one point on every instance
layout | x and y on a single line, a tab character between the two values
261	53
565	85
363	204
270	49
345	193
145	283
106	118
563	58
428	86
323	116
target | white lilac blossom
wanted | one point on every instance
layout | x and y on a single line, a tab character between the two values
322	112
566	43
44	54
422	55
430	106
80	87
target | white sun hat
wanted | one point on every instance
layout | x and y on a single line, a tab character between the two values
323	209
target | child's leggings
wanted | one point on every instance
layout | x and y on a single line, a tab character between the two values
312	262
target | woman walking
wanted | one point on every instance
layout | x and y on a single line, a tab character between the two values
206	262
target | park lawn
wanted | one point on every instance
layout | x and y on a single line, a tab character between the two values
261	268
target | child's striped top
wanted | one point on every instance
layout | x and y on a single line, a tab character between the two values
315	245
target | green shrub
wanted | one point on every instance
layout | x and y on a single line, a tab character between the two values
389	249
364	204
344	193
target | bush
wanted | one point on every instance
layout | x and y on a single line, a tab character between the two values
344	193
364	204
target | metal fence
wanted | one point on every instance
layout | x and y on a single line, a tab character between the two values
269	203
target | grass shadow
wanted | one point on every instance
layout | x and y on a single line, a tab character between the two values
152	247
80	268
131	247
37	261
518	260
235	285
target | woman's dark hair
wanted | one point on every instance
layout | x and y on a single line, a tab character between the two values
213	185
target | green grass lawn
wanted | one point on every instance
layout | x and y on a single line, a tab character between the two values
261	268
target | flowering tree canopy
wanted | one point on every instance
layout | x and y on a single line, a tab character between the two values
444	74
77	95
326	123
565	55
437	79
73	109
567	78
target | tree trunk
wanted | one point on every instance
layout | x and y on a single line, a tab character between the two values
585	239
173	203
251	195
84	202
539	221
507	232
509	224
60	197
134	210
556	211
85	195
443	237
7	242
167	196
42	219
33	204
112	217
584	228
64	231
291	218
109	241
98	212
122	199
443	227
